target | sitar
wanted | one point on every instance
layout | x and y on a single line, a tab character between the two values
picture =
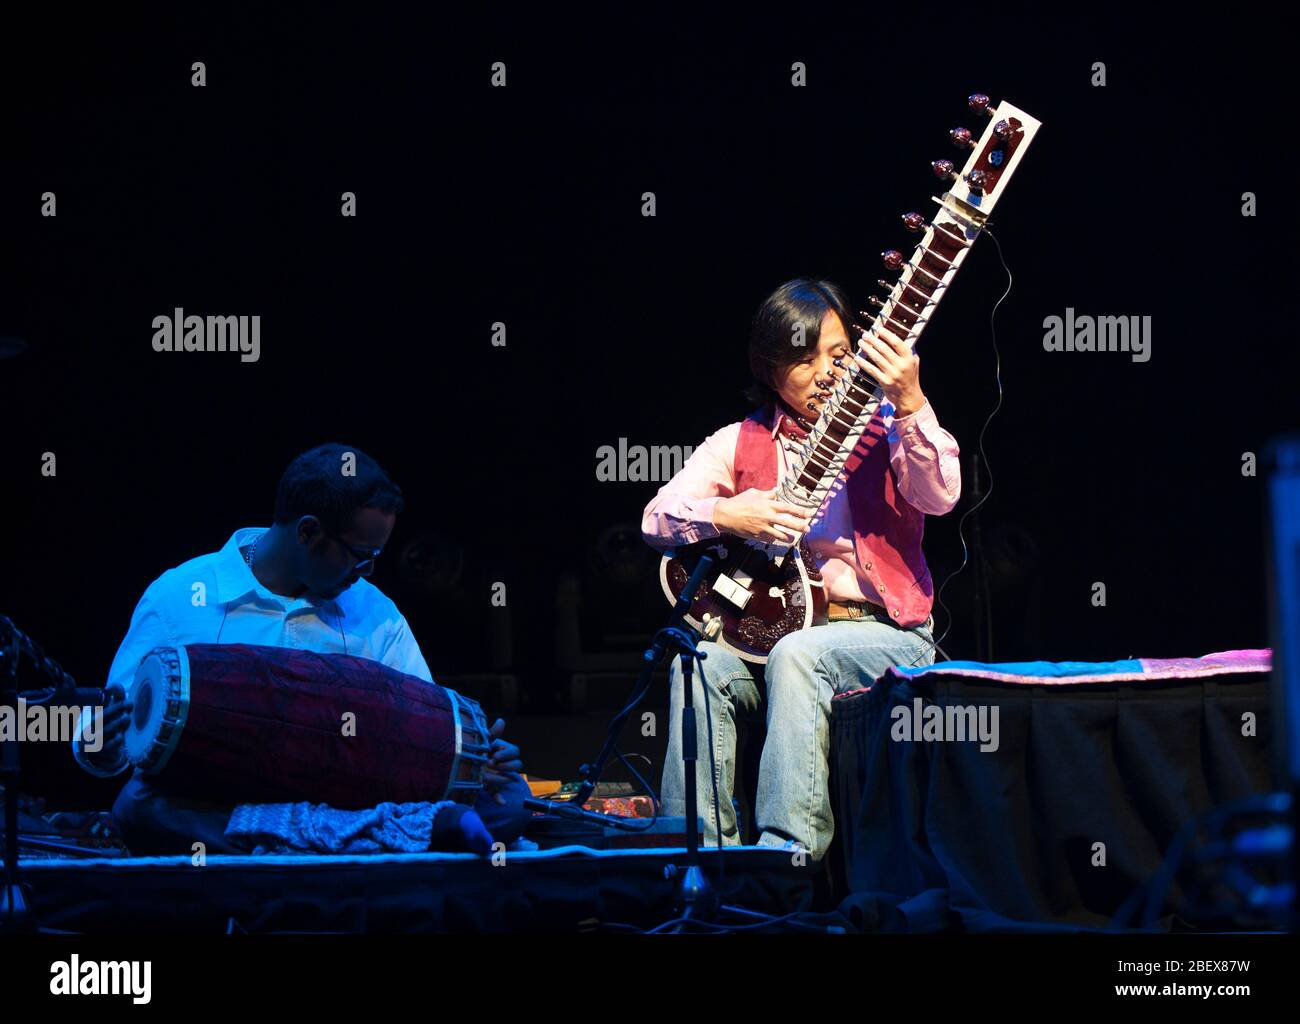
756	593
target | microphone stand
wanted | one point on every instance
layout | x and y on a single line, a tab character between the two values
677	637
15	901
16	913
668	640
695	897
695	894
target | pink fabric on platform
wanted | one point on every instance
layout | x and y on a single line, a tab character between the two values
1249	660
1153	669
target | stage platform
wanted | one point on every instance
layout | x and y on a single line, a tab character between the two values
566	889
1058	812
1052	819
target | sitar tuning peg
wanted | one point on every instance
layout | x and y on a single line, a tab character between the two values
914	221
979	103
884	285
978	181
943	169
878	303
961	137
893	259
1003	131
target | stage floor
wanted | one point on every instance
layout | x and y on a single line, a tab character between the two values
566	889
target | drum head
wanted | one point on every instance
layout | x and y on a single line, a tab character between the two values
473	748
161	692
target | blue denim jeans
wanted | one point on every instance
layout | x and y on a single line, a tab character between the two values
803	672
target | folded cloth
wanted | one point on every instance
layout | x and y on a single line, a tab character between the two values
320	828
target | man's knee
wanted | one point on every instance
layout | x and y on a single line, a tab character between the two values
128	810
152	822
721	668
136	818
793	659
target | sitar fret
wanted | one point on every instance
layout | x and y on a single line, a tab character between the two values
853	402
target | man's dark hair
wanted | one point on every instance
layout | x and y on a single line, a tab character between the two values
326	484
801	302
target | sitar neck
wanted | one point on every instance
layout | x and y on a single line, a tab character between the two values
910	302
856	397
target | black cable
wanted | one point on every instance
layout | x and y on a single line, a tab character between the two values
649	789
1157	887
654	797
1215	819
988	469
718	927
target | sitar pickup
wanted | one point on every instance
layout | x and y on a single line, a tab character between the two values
728	589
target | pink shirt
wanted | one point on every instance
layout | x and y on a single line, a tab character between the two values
927	468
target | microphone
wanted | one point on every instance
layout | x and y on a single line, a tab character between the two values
684	601
15	644
687	596
85	696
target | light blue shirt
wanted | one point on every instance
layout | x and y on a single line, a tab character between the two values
216	599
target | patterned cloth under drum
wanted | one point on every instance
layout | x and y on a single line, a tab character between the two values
268	724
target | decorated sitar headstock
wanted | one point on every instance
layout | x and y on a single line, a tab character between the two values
911	300
993	157
964	209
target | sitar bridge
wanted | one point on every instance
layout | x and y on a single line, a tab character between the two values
970	217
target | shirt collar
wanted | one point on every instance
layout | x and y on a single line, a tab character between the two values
234	577
784	423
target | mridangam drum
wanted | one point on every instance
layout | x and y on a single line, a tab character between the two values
237	723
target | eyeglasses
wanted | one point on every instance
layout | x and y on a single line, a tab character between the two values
365	557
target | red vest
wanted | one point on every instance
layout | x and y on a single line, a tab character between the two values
886	529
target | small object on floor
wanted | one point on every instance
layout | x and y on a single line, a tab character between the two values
622	807
544	788
550	831
47	833
775	842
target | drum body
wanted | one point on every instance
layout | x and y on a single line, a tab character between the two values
236	723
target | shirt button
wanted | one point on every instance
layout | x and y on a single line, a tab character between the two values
868	565
882	589
895	613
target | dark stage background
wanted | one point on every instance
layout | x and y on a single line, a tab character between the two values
522	205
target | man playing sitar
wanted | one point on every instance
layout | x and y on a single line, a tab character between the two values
864	544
